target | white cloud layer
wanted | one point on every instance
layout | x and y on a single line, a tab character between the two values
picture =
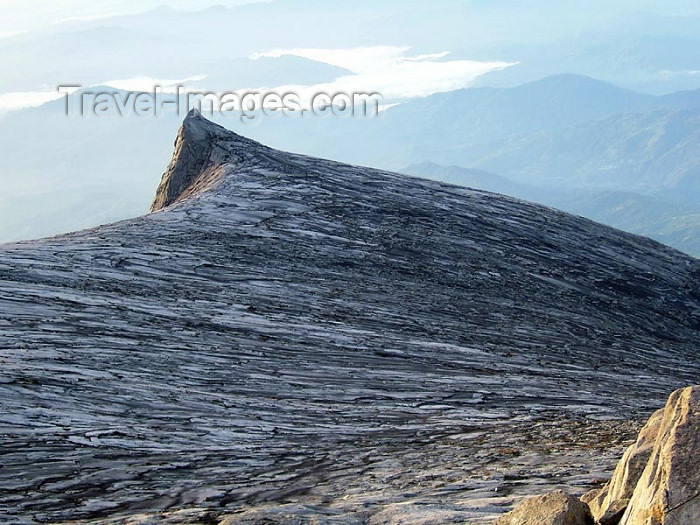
30	99
147	84
26	99
390	71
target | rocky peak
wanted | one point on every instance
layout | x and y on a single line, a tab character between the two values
201	150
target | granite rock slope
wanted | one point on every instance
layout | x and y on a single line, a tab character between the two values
201	150
286	328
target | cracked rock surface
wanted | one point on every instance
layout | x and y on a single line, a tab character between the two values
609	503
668	491
300	334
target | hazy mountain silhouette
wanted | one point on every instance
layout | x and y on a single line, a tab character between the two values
563	133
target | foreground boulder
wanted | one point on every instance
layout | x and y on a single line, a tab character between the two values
554	508
668	492
609	503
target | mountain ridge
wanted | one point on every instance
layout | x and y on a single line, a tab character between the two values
121	155
303	328
197	161
673	222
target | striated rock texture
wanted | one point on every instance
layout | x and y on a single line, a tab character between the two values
292	515
201	150
294	331
608	504
668	492
555	508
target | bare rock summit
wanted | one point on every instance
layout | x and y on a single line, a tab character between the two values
202	149
294	337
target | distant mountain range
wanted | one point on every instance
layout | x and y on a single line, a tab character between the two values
620	157
74	52
651	52
633	159
675	222
643	51
482	126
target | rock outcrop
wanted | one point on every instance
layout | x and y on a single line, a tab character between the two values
555	508
657	481
609	503
668	492
202	149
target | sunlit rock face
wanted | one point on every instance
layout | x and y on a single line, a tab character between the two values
668	491
553	508
609	503
286	330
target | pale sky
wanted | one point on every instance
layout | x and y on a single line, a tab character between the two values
396	71
25	15
17	16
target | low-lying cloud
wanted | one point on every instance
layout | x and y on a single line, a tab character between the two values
391	70
29	99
